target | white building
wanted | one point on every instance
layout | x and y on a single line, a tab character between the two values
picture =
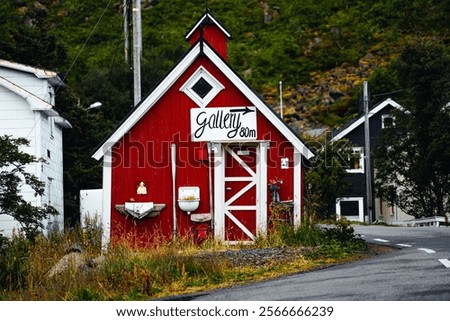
27	109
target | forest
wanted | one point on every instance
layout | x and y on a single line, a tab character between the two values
321	50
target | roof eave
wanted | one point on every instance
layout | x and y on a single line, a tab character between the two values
39	73
372	112
205	16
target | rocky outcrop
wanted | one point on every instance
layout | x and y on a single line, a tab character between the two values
325	89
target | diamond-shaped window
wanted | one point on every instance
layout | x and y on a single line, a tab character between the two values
202	87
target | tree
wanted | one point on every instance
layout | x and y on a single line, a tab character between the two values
412	157
325	179
81	171
24	37
12	176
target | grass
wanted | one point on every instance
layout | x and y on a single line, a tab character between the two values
127	273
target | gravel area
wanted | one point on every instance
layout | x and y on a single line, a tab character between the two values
258	256
267	256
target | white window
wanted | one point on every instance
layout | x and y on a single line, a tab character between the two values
49	190
356	161
202	87
387	121
351	207
51	125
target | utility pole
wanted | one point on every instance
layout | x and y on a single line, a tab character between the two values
133	24
367	153
137	50
281	99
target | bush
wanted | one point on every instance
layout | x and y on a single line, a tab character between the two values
338	240
14	255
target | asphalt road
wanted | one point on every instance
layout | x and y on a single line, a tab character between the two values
418	271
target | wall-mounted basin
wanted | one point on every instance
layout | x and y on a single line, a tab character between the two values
188	198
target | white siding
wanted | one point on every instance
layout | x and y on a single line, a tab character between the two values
18	119
52	173
32	84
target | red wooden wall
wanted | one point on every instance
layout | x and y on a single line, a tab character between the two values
143	154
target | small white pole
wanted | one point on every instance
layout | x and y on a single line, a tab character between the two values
174	202
281	99
210	164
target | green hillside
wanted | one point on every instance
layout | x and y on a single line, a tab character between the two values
321	50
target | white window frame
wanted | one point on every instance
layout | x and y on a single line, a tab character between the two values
360	201
49	190
201	72
51	125
359	150
384	116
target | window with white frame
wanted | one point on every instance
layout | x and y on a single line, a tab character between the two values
49	190
51	125
387	121
202	87
351	207
356	160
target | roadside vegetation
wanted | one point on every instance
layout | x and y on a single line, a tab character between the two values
126	273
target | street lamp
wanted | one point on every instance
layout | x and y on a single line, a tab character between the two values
95	105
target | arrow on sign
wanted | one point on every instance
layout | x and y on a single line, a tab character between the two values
245	110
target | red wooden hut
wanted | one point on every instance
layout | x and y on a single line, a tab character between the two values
198	154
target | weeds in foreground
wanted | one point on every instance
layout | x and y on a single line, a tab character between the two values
127	273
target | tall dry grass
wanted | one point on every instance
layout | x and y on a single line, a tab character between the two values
127	272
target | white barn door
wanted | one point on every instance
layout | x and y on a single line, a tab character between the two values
241	209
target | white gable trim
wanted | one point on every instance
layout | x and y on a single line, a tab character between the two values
148	102
35	102
39	73
167	82
207	15
258	103
387	102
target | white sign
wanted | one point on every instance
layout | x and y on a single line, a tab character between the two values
223	124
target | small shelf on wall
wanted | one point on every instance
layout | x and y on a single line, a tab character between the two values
153	212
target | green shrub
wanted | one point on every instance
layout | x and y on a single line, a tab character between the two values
14	262
336	241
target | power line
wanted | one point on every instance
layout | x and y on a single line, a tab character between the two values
85	43
389	93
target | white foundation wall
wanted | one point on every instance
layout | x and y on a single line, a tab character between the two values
91	206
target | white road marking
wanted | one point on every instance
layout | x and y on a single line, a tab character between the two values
446	262
429	251
403	245
381	240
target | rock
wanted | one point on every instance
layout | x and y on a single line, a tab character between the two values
75	248
247	73
72	260
98	261
76	259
